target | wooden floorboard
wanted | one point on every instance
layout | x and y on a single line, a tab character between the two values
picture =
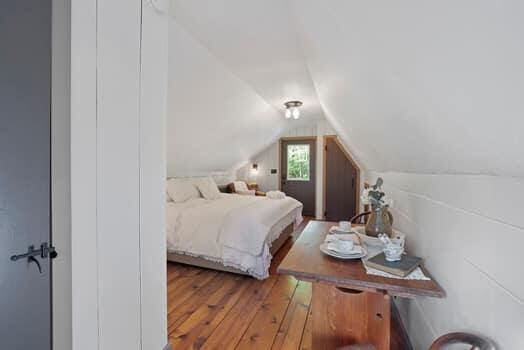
218	310
262	331
293	324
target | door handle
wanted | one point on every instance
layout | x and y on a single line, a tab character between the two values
31	252
45	251
33	259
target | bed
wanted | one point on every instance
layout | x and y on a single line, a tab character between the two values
228	232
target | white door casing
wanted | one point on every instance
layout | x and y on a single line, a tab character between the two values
118	65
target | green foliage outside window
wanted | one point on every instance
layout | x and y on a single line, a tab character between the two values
298	162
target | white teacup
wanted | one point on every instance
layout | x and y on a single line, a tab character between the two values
393	252
344	226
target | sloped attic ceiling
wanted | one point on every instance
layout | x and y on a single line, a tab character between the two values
411	86
214	119
218	117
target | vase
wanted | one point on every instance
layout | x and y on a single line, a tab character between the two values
379	221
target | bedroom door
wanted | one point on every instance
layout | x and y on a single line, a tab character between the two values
298	171
25	95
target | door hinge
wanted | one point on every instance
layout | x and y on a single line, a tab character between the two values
325	148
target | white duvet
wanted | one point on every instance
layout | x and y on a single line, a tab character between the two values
234	230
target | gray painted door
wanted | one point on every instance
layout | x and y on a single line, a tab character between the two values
25	94
340	183
298	172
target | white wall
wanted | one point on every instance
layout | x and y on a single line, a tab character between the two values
215	120
470	231
60	176
269	159
118	69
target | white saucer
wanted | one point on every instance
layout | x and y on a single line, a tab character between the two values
324	249
336	229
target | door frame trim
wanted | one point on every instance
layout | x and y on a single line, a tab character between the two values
324	171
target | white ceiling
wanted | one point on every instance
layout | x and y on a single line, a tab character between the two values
410	85
257	41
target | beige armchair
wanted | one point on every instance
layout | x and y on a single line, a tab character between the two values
241	187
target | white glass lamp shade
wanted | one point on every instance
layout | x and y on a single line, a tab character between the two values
296	113
288	113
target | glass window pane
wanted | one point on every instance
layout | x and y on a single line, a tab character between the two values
298	162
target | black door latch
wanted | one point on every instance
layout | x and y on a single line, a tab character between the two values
45	251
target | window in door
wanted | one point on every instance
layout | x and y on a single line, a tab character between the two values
298	162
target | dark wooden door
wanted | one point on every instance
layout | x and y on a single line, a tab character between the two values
298	171
341	180
25	217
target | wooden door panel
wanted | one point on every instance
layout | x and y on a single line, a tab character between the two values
341	183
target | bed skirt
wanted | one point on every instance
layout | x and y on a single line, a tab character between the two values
208	264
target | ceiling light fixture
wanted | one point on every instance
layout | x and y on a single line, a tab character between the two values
292	109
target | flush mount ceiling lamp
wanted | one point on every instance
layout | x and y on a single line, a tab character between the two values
292	109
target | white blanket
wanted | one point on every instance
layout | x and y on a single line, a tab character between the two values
234	230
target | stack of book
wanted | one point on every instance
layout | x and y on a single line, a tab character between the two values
400	268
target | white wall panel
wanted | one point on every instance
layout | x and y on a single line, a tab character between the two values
468	232
153	106
84	265
118	198
118	175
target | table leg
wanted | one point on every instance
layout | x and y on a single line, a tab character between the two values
344	316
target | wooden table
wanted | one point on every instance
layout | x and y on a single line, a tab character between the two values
348	305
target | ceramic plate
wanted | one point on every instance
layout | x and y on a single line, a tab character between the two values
324	249
343	237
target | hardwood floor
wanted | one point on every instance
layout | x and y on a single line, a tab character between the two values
218	310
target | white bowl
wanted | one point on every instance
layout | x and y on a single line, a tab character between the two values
397	237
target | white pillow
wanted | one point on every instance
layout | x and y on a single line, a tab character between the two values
181	190
208	188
